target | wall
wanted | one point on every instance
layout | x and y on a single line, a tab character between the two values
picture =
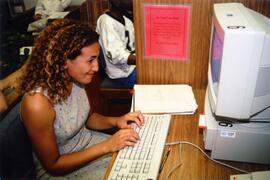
90	10
194	72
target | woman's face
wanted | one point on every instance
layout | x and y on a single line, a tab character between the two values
83	68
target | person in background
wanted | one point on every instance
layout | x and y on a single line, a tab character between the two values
45	8
118	42
12	81
55	108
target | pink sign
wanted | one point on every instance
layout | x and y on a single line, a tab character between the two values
166	31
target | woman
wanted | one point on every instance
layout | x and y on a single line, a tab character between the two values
55	108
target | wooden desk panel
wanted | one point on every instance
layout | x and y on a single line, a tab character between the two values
195	165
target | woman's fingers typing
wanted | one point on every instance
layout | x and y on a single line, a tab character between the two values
124	137
137	117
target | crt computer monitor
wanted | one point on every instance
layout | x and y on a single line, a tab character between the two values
239	64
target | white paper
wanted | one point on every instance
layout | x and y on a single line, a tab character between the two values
176	99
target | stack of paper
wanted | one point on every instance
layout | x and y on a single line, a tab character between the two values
174	99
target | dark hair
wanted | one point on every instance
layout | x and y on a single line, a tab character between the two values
61	40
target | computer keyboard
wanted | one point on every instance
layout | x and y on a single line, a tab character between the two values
143	160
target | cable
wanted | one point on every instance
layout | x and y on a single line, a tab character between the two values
177	165
196	146
171	171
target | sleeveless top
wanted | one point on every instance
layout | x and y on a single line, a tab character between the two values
69	124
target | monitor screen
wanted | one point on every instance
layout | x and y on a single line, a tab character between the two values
216	57
239	64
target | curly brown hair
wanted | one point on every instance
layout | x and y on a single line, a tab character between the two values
60	41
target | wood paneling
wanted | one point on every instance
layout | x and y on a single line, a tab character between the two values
91	9
194	72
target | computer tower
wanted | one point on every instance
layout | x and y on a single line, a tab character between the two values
245	142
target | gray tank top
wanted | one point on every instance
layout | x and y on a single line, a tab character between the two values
71	116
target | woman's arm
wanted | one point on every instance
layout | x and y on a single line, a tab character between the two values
38	117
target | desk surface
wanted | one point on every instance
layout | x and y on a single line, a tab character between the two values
195	165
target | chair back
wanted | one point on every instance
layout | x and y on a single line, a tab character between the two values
16	159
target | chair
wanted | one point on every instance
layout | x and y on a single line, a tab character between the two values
116	98
16	160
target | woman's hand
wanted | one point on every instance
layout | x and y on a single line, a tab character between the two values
125	120
122	138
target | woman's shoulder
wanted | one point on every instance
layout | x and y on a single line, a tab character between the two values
36	101
36	105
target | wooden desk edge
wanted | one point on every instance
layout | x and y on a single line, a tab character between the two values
110	165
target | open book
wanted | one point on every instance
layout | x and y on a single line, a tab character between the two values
174	99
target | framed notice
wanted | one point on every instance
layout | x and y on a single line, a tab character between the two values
167	31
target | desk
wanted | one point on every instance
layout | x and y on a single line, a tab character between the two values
195	165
